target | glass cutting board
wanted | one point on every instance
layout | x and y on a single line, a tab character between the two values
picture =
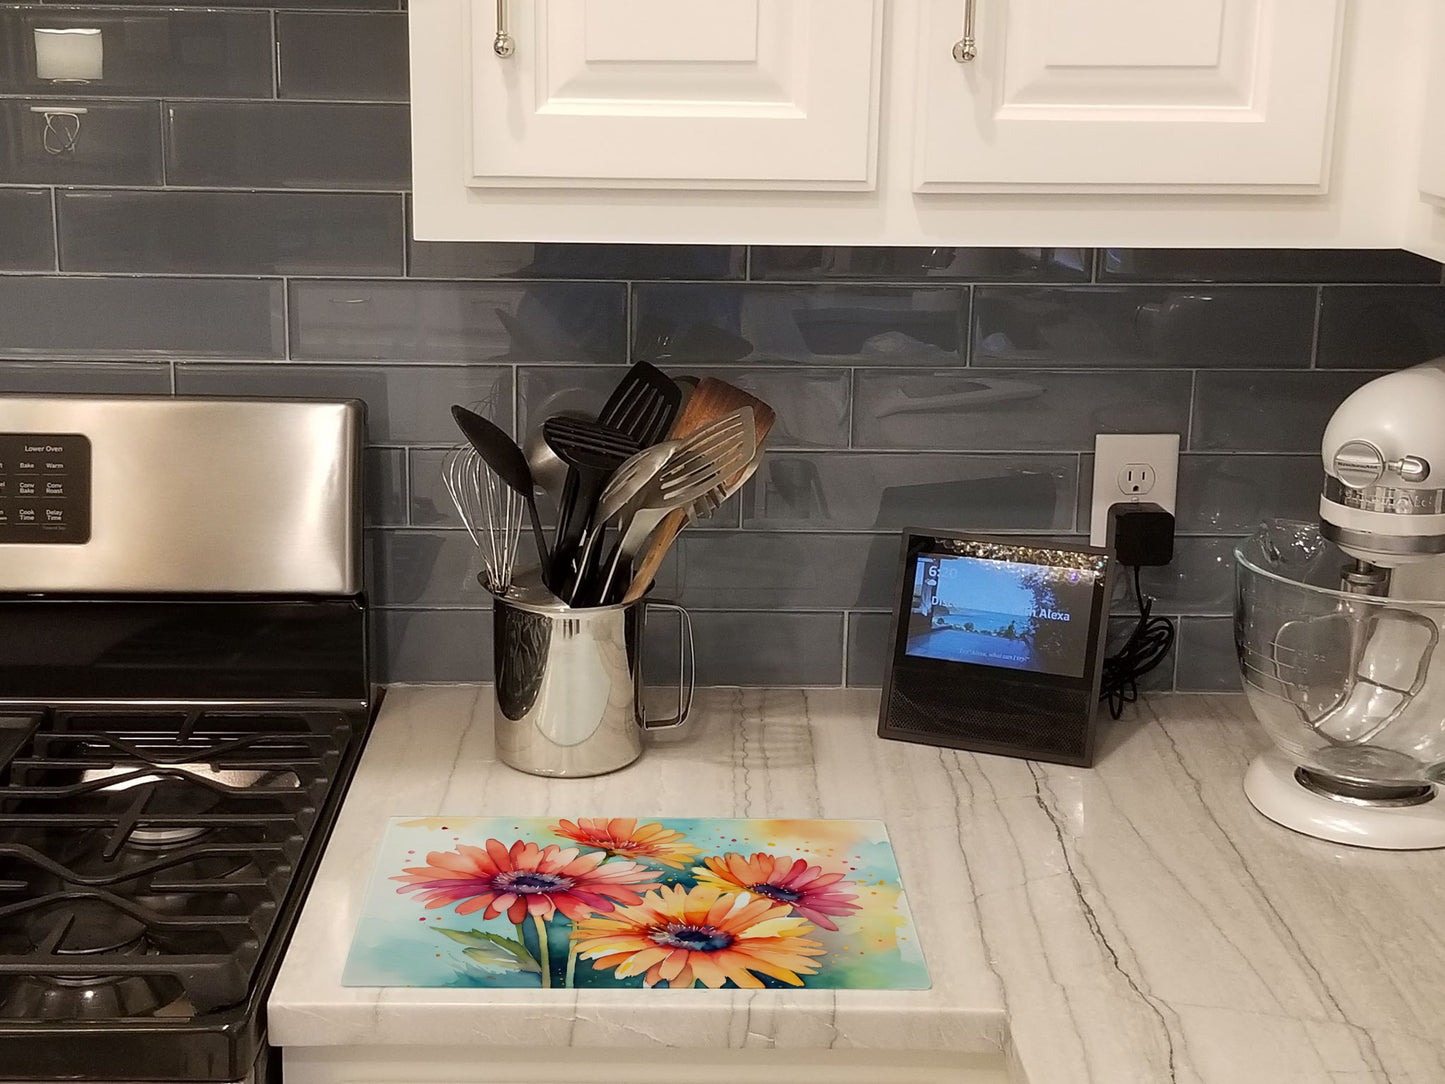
670	903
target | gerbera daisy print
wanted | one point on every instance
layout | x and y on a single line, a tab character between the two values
627	902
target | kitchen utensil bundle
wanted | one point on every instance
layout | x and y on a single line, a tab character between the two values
661	454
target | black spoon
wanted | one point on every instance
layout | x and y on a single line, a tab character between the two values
500	452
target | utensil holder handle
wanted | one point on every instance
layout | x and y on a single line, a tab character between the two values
687	675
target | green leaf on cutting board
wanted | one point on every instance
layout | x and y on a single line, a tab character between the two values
493	949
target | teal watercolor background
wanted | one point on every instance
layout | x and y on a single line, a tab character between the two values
396	942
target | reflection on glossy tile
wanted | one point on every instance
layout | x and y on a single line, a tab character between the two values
505	259
1200	579
54	316
432	645
348	57
1381	327
1207	660
233	233
384	471
869	491
1267	412
27	230
811	404
922	264
442	321
716	324
288	145
423	568
185	54
1112	327
405	403
116	143
1265	265
1230	494
784	571
868	648
753	649
98	377
1016	410
429	505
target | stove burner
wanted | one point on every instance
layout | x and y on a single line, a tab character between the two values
84	928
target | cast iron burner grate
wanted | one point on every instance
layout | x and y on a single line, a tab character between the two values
145	856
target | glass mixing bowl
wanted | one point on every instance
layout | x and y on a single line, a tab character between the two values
1348	686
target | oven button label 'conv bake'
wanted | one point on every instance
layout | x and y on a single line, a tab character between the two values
44	488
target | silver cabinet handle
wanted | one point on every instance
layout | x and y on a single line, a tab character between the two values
966	47
502	44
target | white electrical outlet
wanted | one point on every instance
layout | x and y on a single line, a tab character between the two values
1132	467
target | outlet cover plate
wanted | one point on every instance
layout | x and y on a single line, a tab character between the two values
1115	451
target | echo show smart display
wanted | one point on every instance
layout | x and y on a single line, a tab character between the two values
997	645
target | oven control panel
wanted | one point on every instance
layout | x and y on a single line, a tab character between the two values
44	488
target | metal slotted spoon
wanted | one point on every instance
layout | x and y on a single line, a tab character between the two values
698	469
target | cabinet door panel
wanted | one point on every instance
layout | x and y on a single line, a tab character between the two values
1128	95
677	94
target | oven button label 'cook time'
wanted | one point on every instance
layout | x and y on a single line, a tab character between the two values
44	488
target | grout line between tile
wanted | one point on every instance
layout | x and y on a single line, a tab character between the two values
55	226
1319	319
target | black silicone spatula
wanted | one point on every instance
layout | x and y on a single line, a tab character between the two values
592	452
500	452
643	405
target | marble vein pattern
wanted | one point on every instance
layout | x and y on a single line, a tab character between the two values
1137	922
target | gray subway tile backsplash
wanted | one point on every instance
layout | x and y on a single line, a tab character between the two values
233	219
148	53
506	259
1109	327
230	233
1264	265
1017	410
405	404
1381	327
1267	412
93	377
451	321
721	323
346	56
829	491
121	317
109	143
330	145
27	230
897	264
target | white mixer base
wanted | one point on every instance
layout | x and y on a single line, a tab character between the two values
1271	787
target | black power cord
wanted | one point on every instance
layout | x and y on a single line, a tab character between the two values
1145	649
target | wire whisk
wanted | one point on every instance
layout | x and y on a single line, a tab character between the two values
491	510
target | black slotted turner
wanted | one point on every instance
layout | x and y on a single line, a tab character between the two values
644	405
592	452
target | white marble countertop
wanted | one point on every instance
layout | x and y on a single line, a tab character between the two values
1137	922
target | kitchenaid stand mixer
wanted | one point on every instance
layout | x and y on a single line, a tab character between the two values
1338	625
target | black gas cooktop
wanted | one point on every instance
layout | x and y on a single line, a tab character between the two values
154	853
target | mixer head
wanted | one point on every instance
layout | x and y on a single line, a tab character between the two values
1384	455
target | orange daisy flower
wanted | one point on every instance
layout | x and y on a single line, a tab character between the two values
621	836
676	935
806	889
526	880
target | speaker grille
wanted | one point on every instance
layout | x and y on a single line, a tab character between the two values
1001	716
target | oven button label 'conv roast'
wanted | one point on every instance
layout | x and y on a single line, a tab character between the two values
44	488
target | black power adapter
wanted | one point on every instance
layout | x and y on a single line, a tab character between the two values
1139	534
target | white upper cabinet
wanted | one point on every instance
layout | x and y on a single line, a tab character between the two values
1252	123
675	93
1128	95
